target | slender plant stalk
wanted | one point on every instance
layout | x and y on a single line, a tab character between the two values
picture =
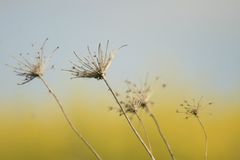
206	137
145	132
75	130
128	120
162	135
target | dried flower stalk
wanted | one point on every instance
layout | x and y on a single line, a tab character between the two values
142	95
95	65
129	121
192	109
130	105
31	70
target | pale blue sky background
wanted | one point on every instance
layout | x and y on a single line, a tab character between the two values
192	44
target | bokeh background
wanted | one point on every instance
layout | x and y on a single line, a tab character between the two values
193	46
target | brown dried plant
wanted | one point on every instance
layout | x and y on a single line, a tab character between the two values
95	65
192	109
130	105
141	97
35	68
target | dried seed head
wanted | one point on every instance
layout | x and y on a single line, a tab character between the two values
137	98
129	105
32	69
191	108
141	93
95	65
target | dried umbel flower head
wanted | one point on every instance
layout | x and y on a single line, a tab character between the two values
141	94
136	98
95	65
31	68
130	105
192	108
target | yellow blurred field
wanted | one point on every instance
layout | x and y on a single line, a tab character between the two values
29	134
191	46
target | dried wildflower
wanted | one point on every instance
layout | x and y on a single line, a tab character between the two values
140	95
31	69
131	105
192	108
137	98
95	65
35	69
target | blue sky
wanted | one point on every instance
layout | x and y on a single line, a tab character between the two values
195	43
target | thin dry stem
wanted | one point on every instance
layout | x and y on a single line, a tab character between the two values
145	132
75	130
162	135
206	137
129	121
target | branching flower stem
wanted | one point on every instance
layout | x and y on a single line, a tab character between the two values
128	120
161	134
206	137
75	130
